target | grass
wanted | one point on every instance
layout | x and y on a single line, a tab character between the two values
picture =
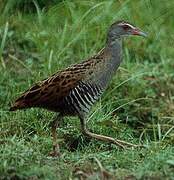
138	106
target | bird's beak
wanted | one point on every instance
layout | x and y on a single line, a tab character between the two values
138	32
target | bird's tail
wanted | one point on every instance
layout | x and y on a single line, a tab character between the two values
27	99
18	104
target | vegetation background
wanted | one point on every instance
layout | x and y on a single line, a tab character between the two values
37	38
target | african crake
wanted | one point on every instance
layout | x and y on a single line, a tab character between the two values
72	91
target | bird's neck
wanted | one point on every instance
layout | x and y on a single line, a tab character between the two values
111	59
114	49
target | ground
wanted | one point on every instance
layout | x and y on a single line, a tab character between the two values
138	106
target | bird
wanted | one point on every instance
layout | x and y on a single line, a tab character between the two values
75	89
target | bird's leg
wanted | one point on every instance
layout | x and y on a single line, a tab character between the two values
117	142
54	124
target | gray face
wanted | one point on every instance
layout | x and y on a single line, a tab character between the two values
122	28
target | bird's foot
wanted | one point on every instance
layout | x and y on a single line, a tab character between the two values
124	144
55	152
119	143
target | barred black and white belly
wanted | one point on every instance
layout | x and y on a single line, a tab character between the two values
81	98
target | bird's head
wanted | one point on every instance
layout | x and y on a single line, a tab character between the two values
123	28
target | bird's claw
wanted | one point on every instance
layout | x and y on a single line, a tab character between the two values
55	152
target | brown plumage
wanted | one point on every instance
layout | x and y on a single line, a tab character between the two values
74	90
48	93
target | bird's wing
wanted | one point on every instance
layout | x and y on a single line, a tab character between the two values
58	86
49	91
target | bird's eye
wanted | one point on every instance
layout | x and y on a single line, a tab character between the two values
126	27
